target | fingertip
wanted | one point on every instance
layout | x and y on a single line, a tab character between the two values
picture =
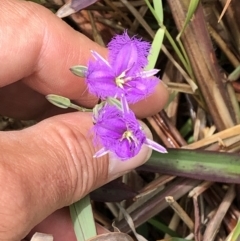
152	104
118	167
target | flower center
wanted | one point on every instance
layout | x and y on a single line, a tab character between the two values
128	135
119	82
122	79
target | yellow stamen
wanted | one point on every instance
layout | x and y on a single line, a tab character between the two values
119	82
128	135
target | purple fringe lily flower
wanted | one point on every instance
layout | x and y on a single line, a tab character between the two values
123	73
118	130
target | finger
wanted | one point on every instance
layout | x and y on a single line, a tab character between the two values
21	102
45	172
153	104
45	50
44	57
58	224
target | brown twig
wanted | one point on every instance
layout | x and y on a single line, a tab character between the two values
181	213
214	224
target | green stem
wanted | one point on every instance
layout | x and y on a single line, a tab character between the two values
181	55
79	108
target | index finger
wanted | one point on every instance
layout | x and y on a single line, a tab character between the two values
40	48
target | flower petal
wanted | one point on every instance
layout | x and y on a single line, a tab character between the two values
125	106
155	146
139	88
99	58
147	73
103	151
126	150
100	79
128	53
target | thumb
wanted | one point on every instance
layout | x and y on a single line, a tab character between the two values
49	166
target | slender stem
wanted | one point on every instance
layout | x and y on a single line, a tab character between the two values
153	11
181	56
79	108
186	58
178	52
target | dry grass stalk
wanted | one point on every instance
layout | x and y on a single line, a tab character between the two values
214	224
181	213
203	61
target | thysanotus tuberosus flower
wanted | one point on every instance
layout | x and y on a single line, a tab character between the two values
123	73
118	131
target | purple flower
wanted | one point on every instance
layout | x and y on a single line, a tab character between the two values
123	73
118	131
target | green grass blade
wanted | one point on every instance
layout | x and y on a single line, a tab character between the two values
191	10
83	221
162	227
152	10
235	234
158	7
204	165
170	39
235	74
186	128
155	49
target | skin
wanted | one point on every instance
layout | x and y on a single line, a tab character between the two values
49	166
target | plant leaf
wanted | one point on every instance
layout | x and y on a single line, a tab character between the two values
83	221
162	227
204	165
155	49
158	7
235	74
235	234
191	10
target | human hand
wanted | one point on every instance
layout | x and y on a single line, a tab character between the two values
49	165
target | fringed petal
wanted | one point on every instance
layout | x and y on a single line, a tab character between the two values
132	52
